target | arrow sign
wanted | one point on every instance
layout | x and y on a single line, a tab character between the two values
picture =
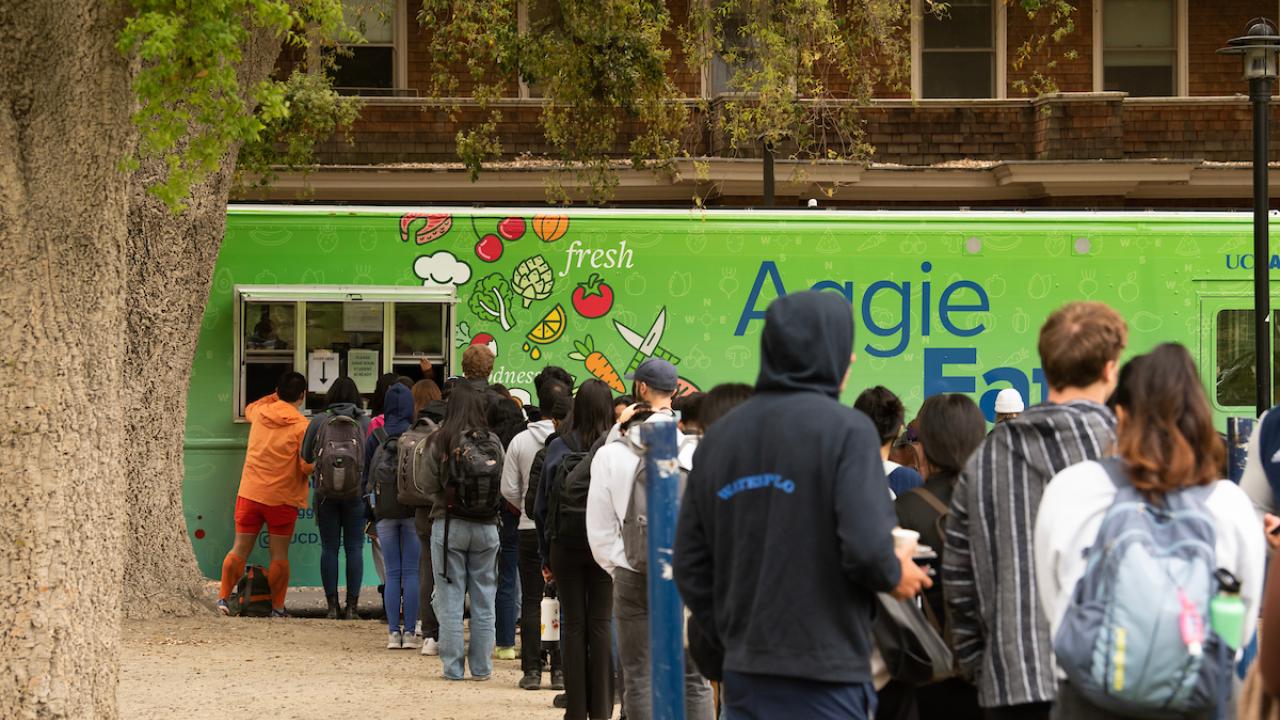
322	370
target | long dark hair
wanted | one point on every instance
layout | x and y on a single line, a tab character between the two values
343	390
592	413
951	428
466	409
1166	435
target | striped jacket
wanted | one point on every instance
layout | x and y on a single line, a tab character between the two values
1000	634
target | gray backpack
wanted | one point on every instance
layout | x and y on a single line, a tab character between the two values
411	461
635	521
1120	642
339	457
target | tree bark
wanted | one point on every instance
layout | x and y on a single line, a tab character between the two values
171	265
64	128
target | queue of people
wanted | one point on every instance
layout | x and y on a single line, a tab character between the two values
1082	558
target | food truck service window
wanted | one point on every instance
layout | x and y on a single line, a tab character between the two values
327	332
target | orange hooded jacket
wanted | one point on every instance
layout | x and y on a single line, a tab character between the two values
274	472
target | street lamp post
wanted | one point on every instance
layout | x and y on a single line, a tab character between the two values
1260	47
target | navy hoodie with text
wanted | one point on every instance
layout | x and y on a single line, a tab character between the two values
785	530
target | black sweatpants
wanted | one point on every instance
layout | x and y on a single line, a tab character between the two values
531	589
586	619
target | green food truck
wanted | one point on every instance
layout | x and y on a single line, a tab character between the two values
943	302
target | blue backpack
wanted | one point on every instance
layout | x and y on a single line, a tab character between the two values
1120	642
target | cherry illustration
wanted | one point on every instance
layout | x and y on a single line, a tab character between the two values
511	228
489	249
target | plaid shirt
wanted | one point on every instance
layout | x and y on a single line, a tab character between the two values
1001	636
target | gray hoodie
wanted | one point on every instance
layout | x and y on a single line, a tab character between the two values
516	464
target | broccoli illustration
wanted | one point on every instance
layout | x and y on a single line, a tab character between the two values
533	279
491	300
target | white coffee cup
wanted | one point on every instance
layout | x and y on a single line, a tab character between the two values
904	539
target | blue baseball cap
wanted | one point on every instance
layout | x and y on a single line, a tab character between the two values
657	374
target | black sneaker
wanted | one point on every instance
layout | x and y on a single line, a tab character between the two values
560	701
532	680
557	680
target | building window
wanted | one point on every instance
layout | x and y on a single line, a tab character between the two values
1233	365
328	332
367	68
534	16
1140	47
720	71
957	50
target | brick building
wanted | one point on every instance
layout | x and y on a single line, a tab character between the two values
1147	115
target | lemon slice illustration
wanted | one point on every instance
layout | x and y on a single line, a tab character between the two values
548	330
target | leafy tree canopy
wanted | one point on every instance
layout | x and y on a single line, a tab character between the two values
192	108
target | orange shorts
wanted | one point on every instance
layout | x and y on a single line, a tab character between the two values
251	514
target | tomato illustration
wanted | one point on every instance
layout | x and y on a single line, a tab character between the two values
593	298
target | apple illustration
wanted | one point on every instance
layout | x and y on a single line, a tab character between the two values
488	341
512	228
489	249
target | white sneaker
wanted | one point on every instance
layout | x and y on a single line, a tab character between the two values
417	629
411	642
395	641
430	647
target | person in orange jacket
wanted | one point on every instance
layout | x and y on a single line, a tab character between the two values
273	486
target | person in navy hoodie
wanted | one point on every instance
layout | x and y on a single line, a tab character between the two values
773	509
885	411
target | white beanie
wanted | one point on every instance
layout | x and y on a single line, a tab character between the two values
1009	401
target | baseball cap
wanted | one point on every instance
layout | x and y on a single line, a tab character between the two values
657	374
1009	400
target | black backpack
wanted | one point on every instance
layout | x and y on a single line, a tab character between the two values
383	472
473	487
567	496
535	481
252	596
339	457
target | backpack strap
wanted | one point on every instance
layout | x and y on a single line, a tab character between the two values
381	434
930	499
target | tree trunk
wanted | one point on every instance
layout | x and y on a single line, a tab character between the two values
171	265
64	128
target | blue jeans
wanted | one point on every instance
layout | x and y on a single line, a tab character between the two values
508	601
341	522
400	554
472	568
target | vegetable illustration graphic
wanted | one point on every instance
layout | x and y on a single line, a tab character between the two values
550	228
597	364
548	330
489	249
533	279
491	300
512	228
486	340
432	226
593	298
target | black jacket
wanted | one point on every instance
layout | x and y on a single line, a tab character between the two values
786	527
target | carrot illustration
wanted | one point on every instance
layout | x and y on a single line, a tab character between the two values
598	365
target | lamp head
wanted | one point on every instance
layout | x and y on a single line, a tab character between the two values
1260	49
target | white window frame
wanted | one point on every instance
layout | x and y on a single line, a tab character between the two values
399	43
1181	44
1000	36
386	295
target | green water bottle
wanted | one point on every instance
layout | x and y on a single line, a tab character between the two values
1226	611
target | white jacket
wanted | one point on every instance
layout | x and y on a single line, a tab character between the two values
613	472
1070	516
516	464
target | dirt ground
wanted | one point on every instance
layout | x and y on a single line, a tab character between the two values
212	667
